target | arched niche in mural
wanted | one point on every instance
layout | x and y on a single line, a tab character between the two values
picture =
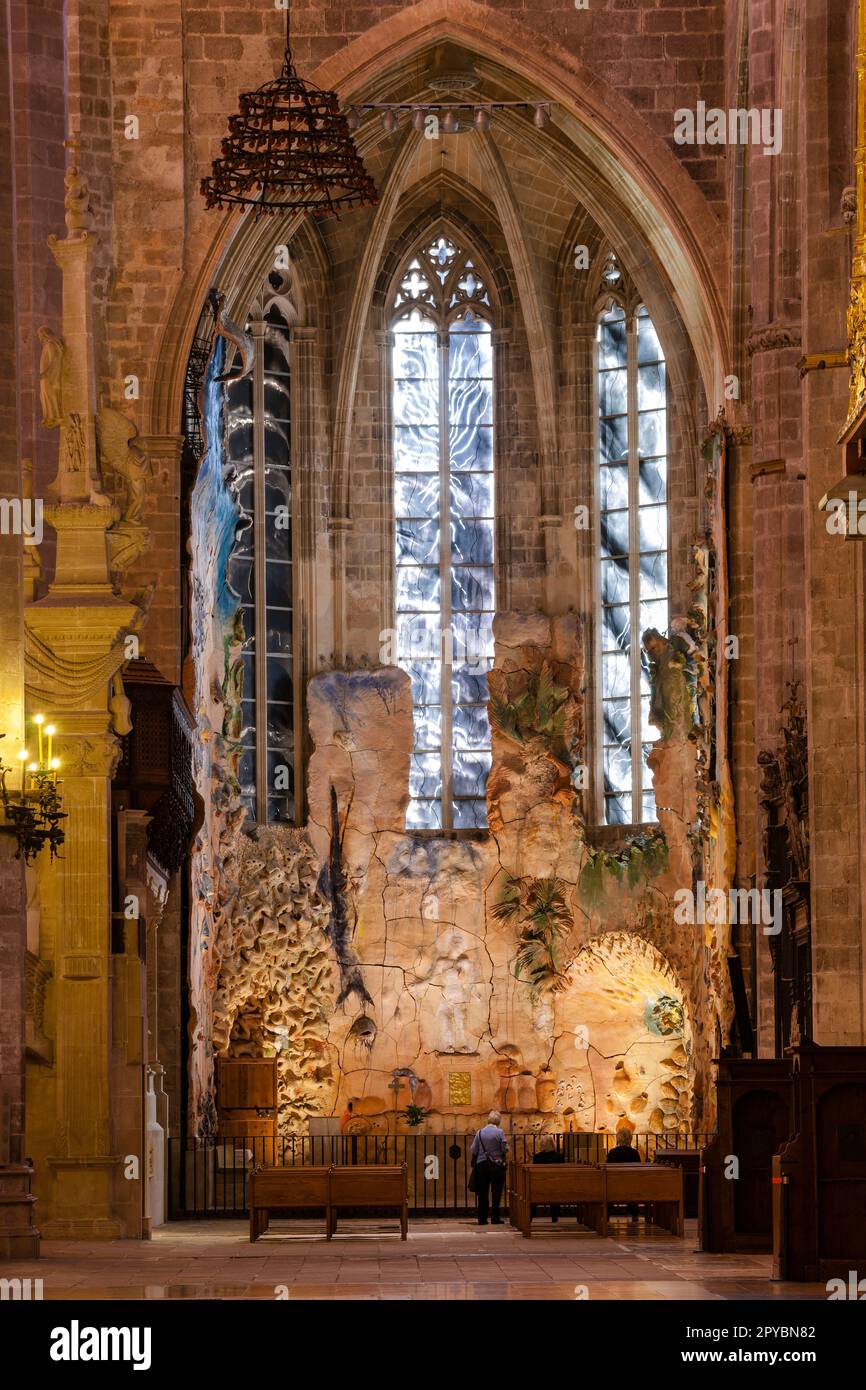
623	1051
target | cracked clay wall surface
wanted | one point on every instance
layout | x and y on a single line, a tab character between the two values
619	1029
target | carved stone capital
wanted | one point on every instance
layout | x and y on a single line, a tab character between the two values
775	337
88	757
72	651
741	435
162	448
857	348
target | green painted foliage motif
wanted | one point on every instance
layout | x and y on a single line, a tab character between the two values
539	909
643	857
538	711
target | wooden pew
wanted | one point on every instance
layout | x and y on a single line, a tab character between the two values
690	1162
370	1185
590	1189
273	1188
555	1184
329	1189
657	1185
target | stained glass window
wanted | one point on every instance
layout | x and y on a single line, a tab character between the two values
258	442
632	450
442	372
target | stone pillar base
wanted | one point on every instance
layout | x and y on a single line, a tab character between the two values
19	1238
83	1228
81	1205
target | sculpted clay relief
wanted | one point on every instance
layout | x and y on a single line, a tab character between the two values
479	957
377	964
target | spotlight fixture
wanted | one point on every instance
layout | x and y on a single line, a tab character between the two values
449	114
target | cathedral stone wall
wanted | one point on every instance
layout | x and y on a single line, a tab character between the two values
392	968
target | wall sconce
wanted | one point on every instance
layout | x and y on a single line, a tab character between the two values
32	811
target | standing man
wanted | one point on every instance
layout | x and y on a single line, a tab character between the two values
489	1154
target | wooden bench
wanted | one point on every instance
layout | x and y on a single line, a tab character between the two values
369	1185
273	1188
590	1189
556	1184
327	1189
657	1185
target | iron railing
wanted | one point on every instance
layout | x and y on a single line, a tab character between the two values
211	1181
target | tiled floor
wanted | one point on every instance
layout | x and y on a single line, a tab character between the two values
442	1259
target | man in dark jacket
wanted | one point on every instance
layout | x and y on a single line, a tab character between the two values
490	1153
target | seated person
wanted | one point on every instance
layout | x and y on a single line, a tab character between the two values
624	1153
547	1152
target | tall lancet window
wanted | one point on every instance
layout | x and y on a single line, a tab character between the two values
260	570
632	466
442	373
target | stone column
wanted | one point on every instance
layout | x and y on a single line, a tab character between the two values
18	1236
74	650
384	430
305	483
75	892
163	559
742	693
503	443
340	527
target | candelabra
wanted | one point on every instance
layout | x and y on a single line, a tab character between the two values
32	811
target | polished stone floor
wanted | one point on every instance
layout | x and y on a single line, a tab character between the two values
442	1259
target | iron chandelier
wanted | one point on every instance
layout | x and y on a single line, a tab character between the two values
289	149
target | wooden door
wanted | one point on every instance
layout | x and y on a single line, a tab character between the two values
759	1124
840	1142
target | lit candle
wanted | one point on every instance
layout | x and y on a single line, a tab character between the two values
39	720
23	756
55	763
49	729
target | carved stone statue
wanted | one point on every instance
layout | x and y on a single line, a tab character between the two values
77	200
50	377
120	707
119	453
74	453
